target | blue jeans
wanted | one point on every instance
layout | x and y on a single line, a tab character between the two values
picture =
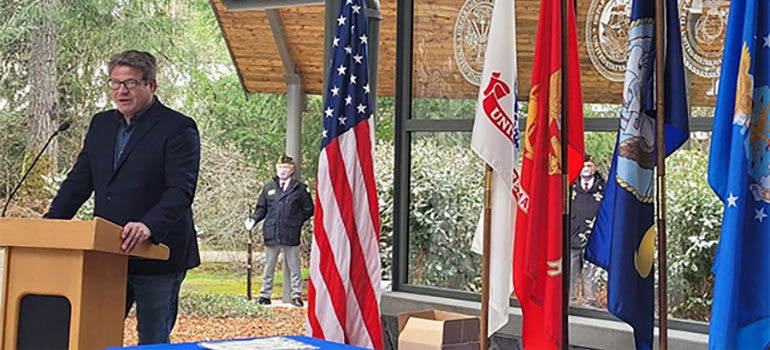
156	297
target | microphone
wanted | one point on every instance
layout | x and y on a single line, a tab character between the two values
64	126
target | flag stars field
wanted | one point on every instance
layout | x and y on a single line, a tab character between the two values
760	214
731	200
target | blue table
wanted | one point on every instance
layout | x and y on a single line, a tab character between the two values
322	344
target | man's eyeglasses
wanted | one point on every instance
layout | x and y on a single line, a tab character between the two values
115	84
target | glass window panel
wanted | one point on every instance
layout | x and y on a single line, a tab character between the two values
693	224
589	282
601	110
446	197
447	57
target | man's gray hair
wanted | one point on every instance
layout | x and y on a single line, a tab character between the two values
138	59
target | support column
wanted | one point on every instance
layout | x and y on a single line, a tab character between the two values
295	105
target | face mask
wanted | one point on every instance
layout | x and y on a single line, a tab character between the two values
283	173
586	172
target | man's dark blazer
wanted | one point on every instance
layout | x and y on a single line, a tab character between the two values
154	182
283	212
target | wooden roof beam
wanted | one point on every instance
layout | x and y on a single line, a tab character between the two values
284	50
248	5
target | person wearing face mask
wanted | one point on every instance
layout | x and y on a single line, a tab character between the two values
587	192
285	204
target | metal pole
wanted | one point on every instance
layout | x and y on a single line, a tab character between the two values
249	260
403	141
485	259
374	16
565	228
661	172
249	266
332	8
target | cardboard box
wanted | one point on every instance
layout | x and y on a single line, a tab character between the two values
437	330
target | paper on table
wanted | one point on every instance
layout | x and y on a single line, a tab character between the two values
274	343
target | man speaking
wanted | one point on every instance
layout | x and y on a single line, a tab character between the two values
141	162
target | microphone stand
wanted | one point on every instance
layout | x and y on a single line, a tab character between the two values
62	127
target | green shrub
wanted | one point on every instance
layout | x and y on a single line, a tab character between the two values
219	305
445	203
694	220
383	176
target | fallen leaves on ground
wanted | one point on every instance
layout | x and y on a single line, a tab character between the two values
282	321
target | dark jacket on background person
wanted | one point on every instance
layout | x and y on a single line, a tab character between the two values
284	212
584	208
153	181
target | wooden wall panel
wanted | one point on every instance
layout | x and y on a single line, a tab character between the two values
435	70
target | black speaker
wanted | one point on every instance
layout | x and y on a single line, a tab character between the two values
44	322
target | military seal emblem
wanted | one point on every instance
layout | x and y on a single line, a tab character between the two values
607	36
470	38
703	24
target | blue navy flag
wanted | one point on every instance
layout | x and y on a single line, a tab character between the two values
739	173
623	238
344	284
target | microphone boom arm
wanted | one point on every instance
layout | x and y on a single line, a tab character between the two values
62	127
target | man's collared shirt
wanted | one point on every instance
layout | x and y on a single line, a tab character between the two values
125	131
587	184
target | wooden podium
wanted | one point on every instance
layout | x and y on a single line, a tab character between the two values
64	283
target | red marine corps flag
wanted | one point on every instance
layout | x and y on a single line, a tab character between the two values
537	275
495	139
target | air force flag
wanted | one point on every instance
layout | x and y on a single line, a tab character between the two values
739	173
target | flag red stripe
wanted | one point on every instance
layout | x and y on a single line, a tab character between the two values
364	141
328	268
315	327
362	287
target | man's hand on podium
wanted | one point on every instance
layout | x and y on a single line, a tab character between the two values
133	233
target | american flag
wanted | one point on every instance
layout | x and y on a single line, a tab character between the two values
344	289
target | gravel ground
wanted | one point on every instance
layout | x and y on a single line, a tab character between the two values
283	321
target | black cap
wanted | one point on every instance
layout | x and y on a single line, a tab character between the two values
285	159
588	158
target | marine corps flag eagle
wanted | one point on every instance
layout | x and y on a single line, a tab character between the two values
537	256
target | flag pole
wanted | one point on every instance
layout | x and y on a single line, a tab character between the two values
485	258
661	173
565	251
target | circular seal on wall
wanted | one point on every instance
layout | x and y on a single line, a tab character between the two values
607	36
703	24
470	38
